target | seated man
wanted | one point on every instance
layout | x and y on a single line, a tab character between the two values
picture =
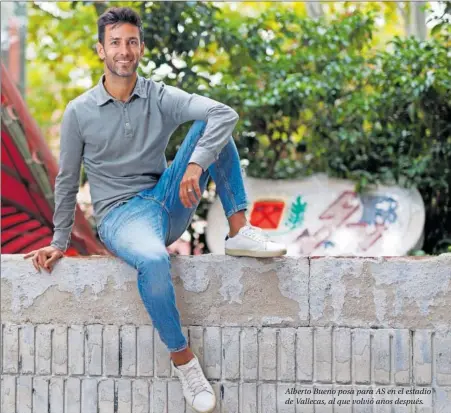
120	129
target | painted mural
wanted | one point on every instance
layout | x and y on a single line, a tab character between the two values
322	216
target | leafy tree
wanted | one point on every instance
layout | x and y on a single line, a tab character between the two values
443	22
60	54
313	95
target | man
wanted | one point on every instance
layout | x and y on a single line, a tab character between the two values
120	129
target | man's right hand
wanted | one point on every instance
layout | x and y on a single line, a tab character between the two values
45	258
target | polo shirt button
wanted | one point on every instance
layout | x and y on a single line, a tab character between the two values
127	124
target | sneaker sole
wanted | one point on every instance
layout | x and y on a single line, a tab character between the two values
255	254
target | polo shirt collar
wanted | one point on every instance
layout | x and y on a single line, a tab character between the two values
103	96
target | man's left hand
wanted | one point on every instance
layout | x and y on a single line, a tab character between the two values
189	187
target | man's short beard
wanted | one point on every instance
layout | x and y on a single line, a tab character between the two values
112	70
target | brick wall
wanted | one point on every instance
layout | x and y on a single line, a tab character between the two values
87	362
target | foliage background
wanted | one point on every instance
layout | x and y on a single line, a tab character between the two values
343	94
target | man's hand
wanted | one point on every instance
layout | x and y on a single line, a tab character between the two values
189	187
45	257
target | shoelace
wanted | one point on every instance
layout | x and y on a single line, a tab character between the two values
195	380
255	233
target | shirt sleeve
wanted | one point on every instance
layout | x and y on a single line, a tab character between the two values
220	118
68	180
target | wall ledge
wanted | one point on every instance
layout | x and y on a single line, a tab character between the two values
393	292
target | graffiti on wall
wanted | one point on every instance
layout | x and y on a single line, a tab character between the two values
319	215
376	213
267	214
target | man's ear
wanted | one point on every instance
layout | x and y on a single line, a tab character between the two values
142	48
100	51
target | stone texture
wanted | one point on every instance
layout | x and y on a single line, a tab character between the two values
396	292
140	395
106	394
249	353
89	365
24	394
323	355
26	346
162	359
304	354
93	349
361	355
160	396
381	356
76	343
43	349
176	401
267	397
342	353
402	356
388	351
399	292
443	358
230	398
127	350
280	284
196	341
89	395
10	349
443	400
212	353
8	393
422	357
41	394
145	351
111	350
217	390
56	394
267	351
59	350
72	395
124	395
230	353
248	397
286	362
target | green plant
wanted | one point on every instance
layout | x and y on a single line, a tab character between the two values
325	102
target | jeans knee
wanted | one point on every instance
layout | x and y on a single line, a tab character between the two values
154	277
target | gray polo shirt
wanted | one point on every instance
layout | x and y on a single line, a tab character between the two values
122	144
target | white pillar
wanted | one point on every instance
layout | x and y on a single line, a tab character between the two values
416	23
314	9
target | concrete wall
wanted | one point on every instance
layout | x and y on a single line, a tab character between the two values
79	340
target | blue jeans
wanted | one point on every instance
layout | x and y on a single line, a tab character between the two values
138	230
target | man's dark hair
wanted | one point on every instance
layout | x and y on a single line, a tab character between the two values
118	15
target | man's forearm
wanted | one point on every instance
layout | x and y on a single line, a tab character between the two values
221	121
64	215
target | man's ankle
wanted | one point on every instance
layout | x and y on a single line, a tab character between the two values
236	222
182	357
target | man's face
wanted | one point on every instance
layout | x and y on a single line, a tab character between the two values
122	50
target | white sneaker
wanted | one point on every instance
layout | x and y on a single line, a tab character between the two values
253	242
197	390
